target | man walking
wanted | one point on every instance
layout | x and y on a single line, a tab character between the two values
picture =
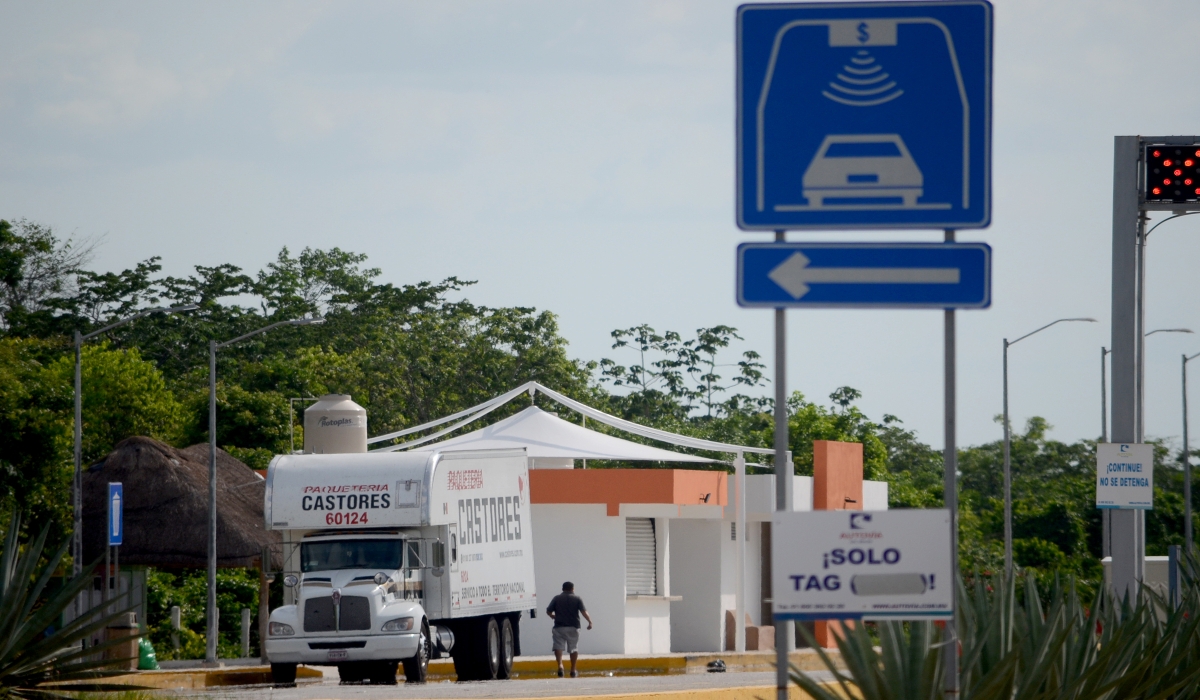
565	610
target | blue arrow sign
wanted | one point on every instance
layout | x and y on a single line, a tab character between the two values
864	115
116	513
890	275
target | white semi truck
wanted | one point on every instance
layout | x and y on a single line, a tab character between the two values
397	558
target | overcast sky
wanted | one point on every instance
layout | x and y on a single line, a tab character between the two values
578	157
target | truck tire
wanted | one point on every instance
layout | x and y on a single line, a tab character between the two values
466	644
353	671
416	669
507	648
283	674
382	673
491	659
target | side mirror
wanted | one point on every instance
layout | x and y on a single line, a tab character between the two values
438	555
291	580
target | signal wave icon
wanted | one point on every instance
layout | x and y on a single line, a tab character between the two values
863	84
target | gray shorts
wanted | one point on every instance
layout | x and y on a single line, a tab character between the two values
566	639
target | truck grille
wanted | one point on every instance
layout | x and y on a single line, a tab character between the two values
319	614
356	613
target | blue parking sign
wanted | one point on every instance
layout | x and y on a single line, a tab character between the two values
864	115
116	513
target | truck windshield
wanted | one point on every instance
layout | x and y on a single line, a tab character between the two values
383	555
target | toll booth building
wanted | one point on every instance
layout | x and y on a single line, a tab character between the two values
653	552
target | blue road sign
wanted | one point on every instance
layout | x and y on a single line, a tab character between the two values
848	275
864	115
116	513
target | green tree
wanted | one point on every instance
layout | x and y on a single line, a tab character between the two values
35	435
123	396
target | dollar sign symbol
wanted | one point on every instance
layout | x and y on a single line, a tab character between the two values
862	32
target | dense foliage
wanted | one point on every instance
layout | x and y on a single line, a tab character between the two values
32	662
415	352
1014	647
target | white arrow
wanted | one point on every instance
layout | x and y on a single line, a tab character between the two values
794	275
116	514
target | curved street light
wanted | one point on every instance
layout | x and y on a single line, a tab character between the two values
1008	556
1187	463
80	338
211	641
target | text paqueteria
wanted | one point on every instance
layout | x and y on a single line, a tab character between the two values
464	479
347	488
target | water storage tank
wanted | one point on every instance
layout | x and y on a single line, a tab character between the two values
335	425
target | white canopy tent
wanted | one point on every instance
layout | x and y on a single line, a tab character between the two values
548	437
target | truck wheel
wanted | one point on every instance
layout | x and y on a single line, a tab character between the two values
491	661
416	669
382	673
283	674
466	650
507	648
353	672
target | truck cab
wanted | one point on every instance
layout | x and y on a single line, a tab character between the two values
393	559
358	605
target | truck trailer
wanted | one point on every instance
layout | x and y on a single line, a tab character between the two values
399	558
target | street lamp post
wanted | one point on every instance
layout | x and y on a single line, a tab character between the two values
1106	514
1104	395
77	488
1187	463
213	346
1008	537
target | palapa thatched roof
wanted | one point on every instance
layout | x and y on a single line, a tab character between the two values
166	506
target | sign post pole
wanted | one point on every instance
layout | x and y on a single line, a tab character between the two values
950	460
783	482
115	535
814	153
1128	545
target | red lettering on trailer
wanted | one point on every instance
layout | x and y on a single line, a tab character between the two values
464	479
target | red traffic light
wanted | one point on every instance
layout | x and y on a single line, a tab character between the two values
1172	171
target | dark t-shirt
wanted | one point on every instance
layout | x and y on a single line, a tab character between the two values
566	608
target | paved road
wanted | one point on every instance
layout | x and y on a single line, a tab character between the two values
534	688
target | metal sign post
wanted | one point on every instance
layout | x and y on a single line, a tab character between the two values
1142	182
864	115
115	535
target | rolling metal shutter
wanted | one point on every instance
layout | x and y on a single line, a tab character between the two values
641	561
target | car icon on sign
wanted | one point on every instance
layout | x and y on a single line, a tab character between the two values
869	170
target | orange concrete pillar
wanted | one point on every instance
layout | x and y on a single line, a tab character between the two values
837	475
837	485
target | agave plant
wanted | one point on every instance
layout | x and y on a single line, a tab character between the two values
1011	649
32	663
907	664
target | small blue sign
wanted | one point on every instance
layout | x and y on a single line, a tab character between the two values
116	513
864	115
863	275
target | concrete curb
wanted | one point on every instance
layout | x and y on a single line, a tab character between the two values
545	667
211	677
762	692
